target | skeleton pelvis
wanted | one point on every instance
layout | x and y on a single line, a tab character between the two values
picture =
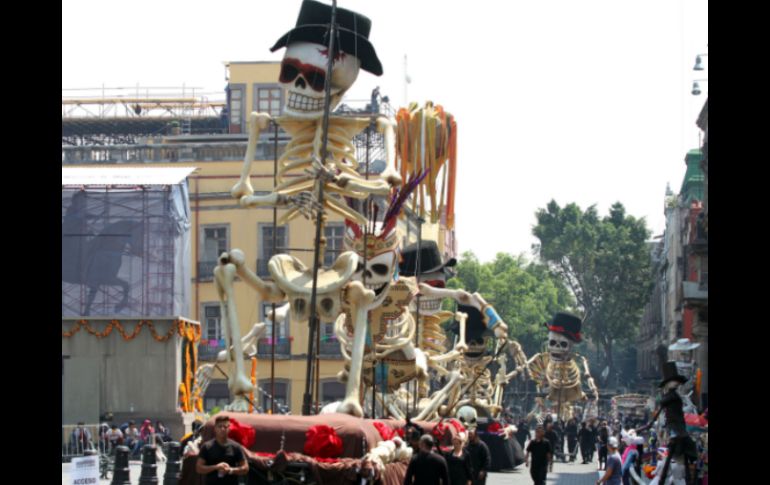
567	394
394	370
296	280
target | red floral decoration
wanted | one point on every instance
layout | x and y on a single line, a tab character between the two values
439	431
321	441
245	435
457	425
494	427
386	433
400	432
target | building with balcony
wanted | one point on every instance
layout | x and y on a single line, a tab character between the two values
681	287
218	223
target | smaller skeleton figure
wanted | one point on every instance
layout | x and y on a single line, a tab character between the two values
483	325
681	447
682	352
556	372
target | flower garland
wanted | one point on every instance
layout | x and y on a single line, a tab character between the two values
184	329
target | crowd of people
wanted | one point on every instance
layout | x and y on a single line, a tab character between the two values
110	436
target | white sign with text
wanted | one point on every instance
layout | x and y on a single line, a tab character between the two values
85	470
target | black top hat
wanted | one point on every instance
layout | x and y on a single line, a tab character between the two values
353	28
430	260
566	324
475	328
670	373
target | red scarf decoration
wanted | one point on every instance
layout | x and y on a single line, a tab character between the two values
321	441
385	432
245	435
458	426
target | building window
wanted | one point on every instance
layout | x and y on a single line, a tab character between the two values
334	234
236	108
213	322
269	100
266	248
281	326
217	395
214	243
281	396
332	391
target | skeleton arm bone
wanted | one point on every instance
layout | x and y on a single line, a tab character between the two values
475	300
269	292
257	122
589	379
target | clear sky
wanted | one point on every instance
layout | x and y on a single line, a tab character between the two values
586	101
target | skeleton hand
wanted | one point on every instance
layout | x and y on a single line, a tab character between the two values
305	202
318	171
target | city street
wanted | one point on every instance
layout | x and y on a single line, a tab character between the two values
563	474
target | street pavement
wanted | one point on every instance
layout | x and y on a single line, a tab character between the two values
563	474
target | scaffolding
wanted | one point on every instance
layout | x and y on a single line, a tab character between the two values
125	249
114	116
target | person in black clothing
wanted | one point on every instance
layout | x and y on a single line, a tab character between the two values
572	431
459	462
221	459
553	438
426	467
481	459
522	432
558	450
594	436
604	435
586	439
542	457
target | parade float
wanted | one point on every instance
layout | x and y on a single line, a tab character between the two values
318	174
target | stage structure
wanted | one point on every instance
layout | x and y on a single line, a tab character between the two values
127	346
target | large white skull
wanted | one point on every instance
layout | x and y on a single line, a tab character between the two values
380	272
432	305
303	74
468	417
559	347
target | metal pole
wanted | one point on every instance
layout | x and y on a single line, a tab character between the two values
366	245
420	220
313	320
275	236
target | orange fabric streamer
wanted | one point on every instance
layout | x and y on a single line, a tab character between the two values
698	376
253	382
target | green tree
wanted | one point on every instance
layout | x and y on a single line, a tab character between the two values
525	294
605	263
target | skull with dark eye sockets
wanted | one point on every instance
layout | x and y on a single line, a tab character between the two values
559	347
379	272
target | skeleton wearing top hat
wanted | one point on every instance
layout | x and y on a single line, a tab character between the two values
682	448
303	171
303	77
556	372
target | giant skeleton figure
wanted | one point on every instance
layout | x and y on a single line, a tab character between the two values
556	372
681	447
389	344
301	169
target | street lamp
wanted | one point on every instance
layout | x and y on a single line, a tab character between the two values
696	87
699	62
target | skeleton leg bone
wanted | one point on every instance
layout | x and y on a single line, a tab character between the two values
455	378
358	298
240	385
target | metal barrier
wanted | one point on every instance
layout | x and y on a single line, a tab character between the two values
74	444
